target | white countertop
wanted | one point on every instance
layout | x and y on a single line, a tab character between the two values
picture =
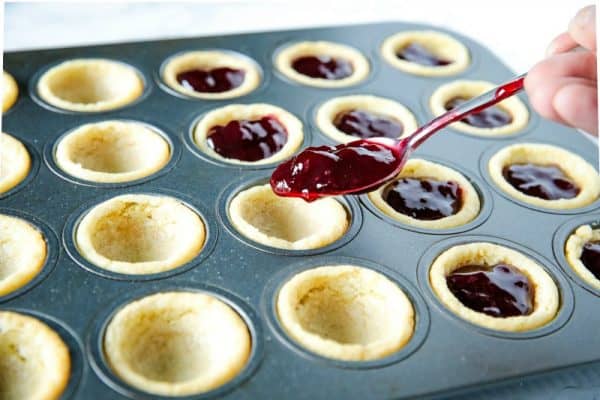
532	23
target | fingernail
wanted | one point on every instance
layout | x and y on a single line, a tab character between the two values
583	17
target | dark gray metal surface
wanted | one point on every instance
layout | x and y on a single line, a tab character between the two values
454	358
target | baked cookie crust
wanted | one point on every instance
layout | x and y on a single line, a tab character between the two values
23	252
573	249
575	167
177	343
287	223
10	91
112	151
438	43
211	59
346	312
90	85
15	162
34	360
469	89
232	112
419	168
378	105
140	234
546	300
285	57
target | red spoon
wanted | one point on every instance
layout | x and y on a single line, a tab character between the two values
364	165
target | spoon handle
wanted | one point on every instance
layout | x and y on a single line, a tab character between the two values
472	106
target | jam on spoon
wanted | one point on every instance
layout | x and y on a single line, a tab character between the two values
500	291
215	80
547	182
419	54
364	165
366	125
323	67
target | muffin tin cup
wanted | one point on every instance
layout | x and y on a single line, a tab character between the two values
174	148
33	82
483	169
73	221
558	246
33	170
95	338
350	204
52	252
69	337
268	307
485	199
567	301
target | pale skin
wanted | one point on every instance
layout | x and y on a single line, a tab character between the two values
563	86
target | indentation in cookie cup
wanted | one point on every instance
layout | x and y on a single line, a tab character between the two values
350	204
96	335
144	89
34	168
486	204
211	231
262	77
559	241
50	150
71	340
484	162
309	83
274	285
565	291
189	139
52	251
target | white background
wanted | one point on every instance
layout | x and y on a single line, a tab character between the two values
518	31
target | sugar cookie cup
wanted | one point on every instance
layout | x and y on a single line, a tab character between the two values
10	91
90	85
15	162
574	248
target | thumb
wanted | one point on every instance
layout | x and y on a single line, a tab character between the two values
582	28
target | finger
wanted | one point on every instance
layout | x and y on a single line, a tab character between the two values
561	44
582	27
579	64
577	105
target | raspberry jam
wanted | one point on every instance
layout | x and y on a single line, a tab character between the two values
365	125
500	291
590	257
323	67
491	117
248	140
424	199
215	80
544	181
419	54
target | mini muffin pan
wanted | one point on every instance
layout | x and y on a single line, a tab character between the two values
446	356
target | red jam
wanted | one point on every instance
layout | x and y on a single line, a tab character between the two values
418	54
215	80
248	140
323	67
491	117
500	291
544	181
590	257
424	199
367	125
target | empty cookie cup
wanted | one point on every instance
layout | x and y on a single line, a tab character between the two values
346	312
15	162
23	252
34	360
90	85
112	152
177	343
287	223
140	234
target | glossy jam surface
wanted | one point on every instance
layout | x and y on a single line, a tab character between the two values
544	181
424	199
211	81
491	117
500	291
248	140
330	170
419	54
323	67
365	125
590	257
